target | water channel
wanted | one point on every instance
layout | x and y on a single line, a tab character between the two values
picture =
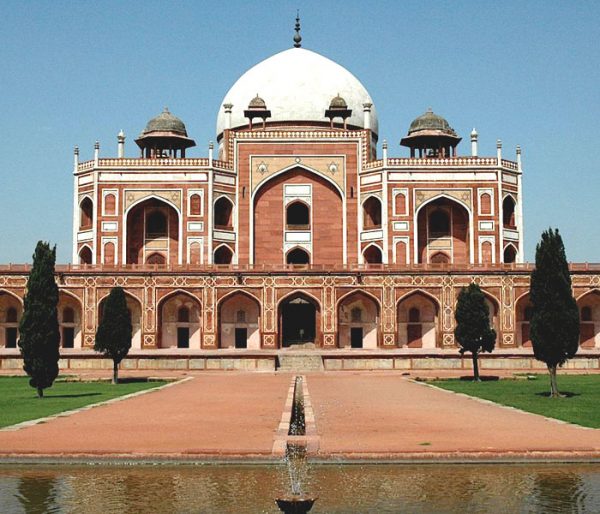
346	488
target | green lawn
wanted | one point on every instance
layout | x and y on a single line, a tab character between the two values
19	401
581	406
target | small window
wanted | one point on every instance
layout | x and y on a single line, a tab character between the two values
183	315
156	225
400	204
86	214
11	315
508	212
414	315
240	316
223	255
356	315
110	204
373	255
297	216
223	214
195	205
68	315
372	213
586	313
439	224
485	203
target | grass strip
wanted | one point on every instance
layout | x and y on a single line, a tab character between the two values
19	402
580	404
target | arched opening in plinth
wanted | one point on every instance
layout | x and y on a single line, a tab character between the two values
135	312
299	320
523	317
358	321
239	322
69	320
179	321
589	319
418	321
11	310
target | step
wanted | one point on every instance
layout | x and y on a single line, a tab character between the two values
300	362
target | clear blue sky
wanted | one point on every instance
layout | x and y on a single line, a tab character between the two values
527	72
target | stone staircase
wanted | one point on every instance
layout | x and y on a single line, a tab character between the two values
299	362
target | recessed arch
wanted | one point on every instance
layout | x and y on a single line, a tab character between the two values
588	305
299	319
11	310
223	255
175	331
223	209
509	205
418	320
297	215
372	212
358	315
70	317
297	256
373	254
135	307
10	293
510	254
239	320
86	213
459	243
85	255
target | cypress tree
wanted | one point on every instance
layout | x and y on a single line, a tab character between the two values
39	336
113	337
473	331
554	317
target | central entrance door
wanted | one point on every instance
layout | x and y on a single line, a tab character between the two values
298	322
183	337
356	337
241	337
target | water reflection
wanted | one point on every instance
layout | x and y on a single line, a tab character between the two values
341	489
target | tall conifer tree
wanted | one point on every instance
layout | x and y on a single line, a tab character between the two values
113	337
554	317
473	331
39	335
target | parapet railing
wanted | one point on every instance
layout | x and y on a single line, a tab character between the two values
315	268
141	162
447	161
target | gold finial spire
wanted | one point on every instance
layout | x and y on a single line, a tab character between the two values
297	36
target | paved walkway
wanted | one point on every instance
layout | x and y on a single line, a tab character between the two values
357	415
384	415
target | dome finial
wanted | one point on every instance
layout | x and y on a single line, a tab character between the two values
297	36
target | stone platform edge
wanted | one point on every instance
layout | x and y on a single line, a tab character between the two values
333	360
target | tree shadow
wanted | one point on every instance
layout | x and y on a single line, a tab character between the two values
488	378
134	380
79	395
564	394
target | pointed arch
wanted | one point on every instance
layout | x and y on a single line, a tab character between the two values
235	330
299	319
297	215
85	254
86	213
522	320
135	306
297	255
70	327
358	316
589	318
418	320
223	212
173	331
223	255
12	307
373	254
10	293
510	254
372	212
509	207
292	167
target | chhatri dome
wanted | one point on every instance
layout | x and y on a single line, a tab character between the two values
297	85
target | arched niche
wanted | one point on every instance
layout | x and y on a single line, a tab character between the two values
86	214
372	255
358	321
523	311
69	321
85	255
135	311
239	322
152	228
297	256
508	212
589	316
371	213
417	321
223	214
11	310
297	216
223	255
510	254
443	227
179	322
299	318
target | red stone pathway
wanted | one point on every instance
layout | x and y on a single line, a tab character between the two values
384	415
358	415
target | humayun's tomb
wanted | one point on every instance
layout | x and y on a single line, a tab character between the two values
298	230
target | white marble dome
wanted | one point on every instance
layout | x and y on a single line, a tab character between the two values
297	85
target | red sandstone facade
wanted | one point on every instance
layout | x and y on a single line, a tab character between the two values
297	233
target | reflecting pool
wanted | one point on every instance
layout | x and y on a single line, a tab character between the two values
354	488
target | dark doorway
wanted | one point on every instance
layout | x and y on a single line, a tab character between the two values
297	256
298	322
68	337
414	335
183	337
241	337
11	337
356	337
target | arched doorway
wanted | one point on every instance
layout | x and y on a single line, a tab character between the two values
508	212
373	255
85	255
69	320
523	317
297	256
223	214
358	321
11	311
510	254
86	214
239	322
223	255
417	321
299	320
371	213
589	316
179	321
443	232
297	216
135	311
153	233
